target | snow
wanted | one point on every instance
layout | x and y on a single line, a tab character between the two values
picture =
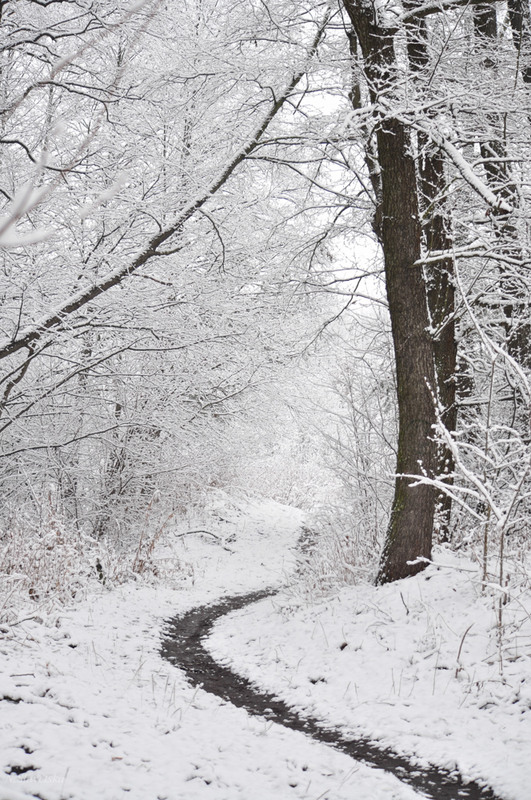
415	665
92	710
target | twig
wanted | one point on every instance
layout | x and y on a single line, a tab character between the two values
208	533
459	667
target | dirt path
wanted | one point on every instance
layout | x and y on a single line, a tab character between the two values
182	646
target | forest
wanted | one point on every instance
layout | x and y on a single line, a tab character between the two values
282	234
266	250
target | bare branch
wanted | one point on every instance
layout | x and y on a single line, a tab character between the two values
56	319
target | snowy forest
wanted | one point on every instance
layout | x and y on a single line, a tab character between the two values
265	327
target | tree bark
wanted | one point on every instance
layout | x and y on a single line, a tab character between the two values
409	534
441	303
437	235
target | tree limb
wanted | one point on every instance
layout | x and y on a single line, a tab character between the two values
56	319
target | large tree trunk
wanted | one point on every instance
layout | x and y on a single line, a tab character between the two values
441	303
437	232
409	535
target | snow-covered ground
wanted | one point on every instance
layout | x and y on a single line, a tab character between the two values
90	709
418	665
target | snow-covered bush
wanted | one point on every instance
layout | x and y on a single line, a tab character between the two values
44	561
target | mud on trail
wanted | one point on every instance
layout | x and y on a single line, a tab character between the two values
182	646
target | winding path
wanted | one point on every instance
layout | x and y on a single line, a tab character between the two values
182	646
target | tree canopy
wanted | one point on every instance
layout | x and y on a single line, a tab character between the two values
199	200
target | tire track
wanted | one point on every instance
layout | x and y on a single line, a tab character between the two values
182	646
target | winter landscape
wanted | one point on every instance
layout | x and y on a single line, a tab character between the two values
265	400
90	709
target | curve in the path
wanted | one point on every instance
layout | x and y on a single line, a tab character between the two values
183	647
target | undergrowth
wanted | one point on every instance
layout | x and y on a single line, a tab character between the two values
47	562
338	547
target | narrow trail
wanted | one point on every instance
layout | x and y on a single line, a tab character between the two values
183	647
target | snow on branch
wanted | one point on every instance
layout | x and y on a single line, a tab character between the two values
465	169
56	318
426	9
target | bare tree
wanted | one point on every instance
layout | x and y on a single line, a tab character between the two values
417	138
133	314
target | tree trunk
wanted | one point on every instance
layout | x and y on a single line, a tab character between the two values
441	303
410	530
409	534
437	234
